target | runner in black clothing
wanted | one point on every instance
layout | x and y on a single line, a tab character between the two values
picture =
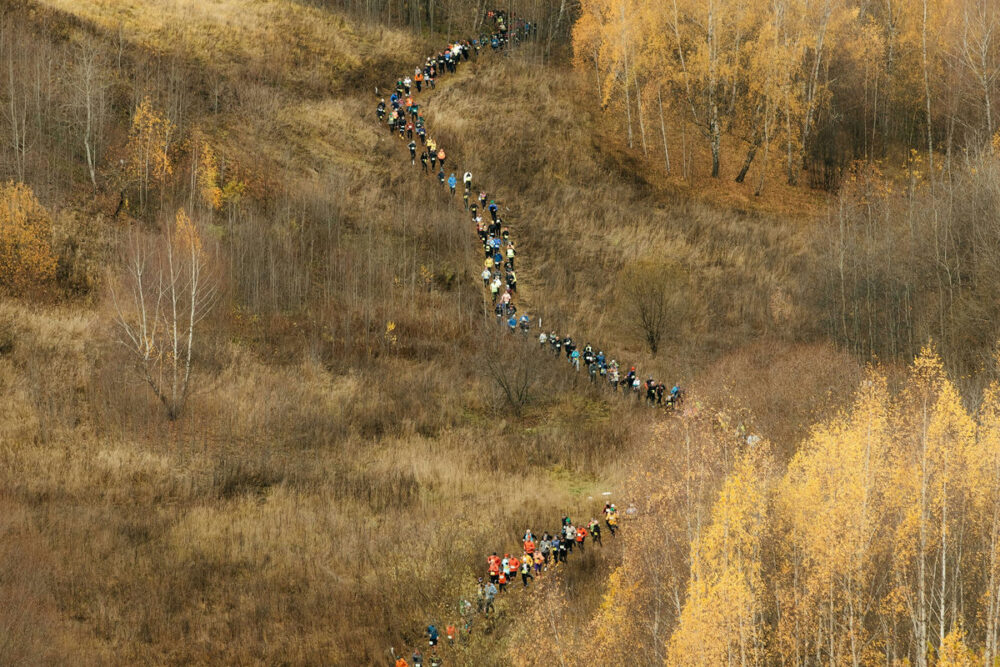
413	152
423	161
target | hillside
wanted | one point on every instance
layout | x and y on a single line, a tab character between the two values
357	434
298	508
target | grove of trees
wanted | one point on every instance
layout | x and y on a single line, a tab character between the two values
797	87
878	543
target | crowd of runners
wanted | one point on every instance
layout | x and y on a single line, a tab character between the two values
403	116
538	554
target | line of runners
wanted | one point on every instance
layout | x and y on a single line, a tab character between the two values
538	555
404	117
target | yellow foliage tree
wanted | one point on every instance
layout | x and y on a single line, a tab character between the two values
685	467
933	451
208	179
721	622
26	257
986	506
839	474
148	150
954	652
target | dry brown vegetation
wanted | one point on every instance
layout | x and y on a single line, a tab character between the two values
342	459
346	455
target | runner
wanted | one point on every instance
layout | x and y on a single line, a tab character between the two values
493	564
595	531
451	181
526	567
490	594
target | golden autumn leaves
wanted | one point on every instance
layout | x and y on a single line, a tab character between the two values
26	257
777	81
879	542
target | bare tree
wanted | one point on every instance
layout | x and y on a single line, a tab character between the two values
980	23
652	298
513	371
165	291
89	86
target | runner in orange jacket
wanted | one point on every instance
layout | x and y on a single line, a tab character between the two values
493	566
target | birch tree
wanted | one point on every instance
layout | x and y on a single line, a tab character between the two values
90	105
165	291
721	622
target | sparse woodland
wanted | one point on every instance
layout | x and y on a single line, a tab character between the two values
889	106
255	409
